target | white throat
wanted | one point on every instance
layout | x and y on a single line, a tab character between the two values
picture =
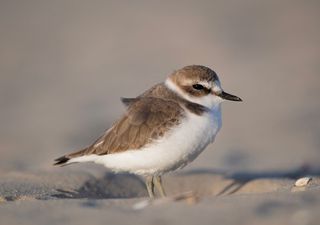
209	101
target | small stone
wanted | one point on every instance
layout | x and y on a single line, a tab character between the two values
302	181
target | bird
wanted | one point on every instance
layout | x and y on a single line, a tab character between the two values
162	130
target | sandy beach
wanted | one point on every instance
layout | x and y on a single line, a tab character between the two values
206	196
64	66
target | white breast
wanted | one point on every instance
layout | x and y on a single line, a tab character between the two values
181	146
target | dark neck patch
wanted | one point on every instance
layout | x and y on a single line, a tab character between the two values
196	108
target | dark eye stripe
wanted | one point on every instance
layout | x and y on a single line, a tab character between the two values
194	92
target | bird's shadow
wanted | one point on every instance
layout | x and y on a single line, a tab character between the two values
109	186
130	186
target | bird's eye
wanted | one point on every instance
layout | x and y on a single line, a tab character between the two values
198	86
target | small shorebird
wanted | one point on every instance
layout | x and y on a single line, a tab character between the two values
163	129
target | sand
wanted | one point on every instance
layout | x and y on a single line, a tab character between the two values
196	196
64	66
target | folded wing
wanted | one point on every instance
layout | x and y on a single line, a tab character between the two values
147	119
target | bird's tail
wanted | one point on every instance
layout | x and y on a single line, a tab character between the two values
61	161
67	159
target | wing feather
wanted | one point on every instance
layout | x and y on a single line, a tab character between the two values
146	120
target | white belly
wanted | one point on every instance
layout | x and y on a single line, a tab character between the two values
174	151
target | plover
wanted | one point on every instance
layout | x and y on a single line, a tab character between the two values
163	129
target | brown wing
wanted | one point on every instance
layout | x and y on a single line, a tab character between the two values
147	119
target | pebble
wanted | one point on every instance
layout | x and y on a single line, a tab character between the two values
301	182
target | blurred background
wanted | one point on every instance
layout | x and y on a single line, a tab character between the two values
65	64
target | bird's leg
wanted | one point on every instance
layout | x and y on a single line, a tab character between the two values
150	186
158	183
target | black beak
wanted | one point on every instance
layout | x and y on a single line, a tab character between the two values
226	96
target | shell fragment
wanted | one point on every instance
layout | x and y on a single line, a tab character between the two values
302	181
